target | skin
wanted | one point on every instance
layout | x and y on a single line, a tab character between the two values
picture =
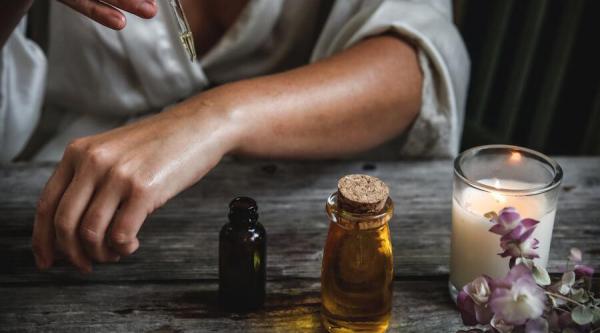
107	12
105	186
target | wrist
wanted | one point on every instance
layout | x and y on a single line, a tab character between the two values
216	121
230	116
230	129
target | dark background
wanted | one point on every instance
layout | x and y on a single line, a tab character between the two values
535	76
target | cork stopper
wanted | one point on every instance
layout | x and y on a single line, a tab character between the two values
362	194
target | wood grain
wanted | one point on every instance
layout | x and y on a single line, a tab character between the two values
179	241
169	285
291	306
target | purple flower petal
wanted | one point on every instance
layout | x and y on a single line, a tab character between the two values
583	271
519	271
506	221
473	301
478	290
529	223
525	235
508	216
517	298
498	229
466	306
515	234
483	314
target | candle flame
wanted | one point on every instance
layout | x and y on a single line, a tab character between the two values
515	156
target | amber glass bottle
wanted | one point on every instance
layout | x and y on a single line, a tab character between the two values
357	270
242	258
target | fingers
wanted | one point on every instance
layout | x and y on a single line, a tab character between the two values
126	224
89	190
68	215
141	8
104	13
43	227
99	12
95	224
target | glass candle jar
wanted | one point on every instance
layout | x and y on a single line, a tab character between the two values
488	179
357	270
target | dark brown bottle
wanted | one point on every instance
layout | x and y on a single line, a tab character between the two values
242	258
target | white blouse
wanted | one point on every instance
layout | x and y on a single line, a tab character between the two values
93	78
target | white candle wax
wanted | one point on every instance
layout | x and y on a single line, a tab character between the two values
474	249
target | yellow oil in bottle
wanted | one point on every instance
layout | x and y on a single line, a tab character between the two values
357	271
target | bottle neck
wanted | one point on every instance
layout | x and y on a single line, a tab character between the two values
351	220
243	223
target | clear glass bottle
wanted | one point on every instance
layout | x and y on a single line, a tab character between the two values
357	270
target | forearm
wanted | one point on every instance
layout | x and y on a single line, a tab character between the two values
11	13
345	104
105	186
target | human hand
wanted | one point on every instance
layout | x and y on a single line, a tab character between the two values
105	186
107	12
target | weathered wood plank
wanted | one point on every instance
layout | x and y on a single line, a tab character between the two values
291	306
179	241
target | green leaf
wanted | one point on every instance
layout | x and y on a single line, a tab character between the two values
582	315
596	312
540	275
568	278
567	281
579	295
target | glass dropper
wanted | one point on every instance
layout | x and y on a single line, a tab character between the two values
185	33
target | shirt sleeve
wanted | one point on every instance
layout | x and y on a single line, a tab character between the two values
22	86
442	57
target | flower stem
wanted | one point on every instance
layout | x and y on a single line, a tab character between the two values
563	298
561	309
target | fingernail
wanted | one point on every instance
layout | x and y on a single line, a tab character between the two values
147	9
117	21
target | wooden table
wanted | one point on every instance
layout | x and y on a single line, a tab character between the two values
170	284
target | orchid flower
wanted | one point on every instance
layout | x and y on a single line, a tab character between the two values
518	243
517	298
525	301
473	299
